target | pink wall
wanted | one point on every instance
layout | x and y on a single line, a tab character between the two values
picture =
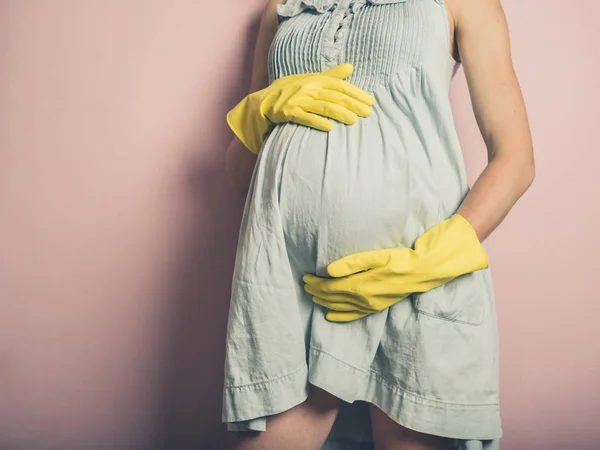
118	229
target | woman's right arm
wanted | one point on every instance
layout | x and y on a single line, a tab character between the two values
240	161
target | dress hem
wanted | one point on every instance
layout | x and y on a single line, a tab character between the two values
450	420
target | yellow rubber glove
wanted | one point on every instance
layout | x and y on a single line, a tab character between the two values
306	99
368	282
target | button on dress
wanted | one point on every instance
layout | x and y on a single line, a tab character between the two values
430	361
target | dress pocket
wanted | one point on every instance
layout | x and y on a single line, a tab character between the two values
460	300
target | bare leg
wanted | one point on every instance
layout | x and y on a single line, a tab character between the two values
303	427
389	435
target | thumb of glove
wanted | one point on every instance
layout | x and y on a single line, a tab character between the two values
342	71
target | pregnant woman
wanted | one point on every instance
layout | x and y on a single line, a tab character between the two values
362	313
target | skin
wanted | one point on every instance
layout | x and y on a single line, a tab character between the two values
480	40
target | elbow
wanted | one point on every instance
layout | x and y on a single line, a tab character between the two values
530	171
520	170
527	174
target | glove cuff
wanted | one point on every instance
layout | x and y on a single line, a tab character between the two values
248	124
452	248
472	244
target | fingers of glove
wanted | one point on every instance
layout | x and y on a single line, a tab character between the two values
280	82
325	286
358	262
332	110
335	316
347	316
310	120
348	297
338	306
343	70
345	101
347	88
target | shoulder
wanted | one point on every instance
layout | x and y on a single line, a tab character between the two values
475	13
271	7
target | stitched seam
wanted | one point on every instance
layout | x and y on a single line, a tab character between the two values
406	392
265	382
337	359
438	403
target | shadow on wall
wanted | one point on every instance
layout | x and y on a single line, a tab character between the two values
189	413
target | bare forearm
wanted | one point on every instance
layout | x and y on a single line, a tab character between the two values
495	192
498	104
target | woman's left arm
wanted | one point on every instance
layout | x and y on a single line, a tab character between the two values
483	42
370	281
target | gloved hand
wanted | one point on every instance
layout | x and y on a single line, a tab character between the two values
304	99
368	282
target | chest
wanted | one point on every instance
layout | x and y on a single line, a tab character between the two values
377	36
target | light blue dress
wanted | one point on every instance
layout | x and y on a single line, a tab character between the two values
430	361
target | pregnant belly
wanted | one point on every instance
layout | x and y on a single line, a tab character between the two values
352	189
